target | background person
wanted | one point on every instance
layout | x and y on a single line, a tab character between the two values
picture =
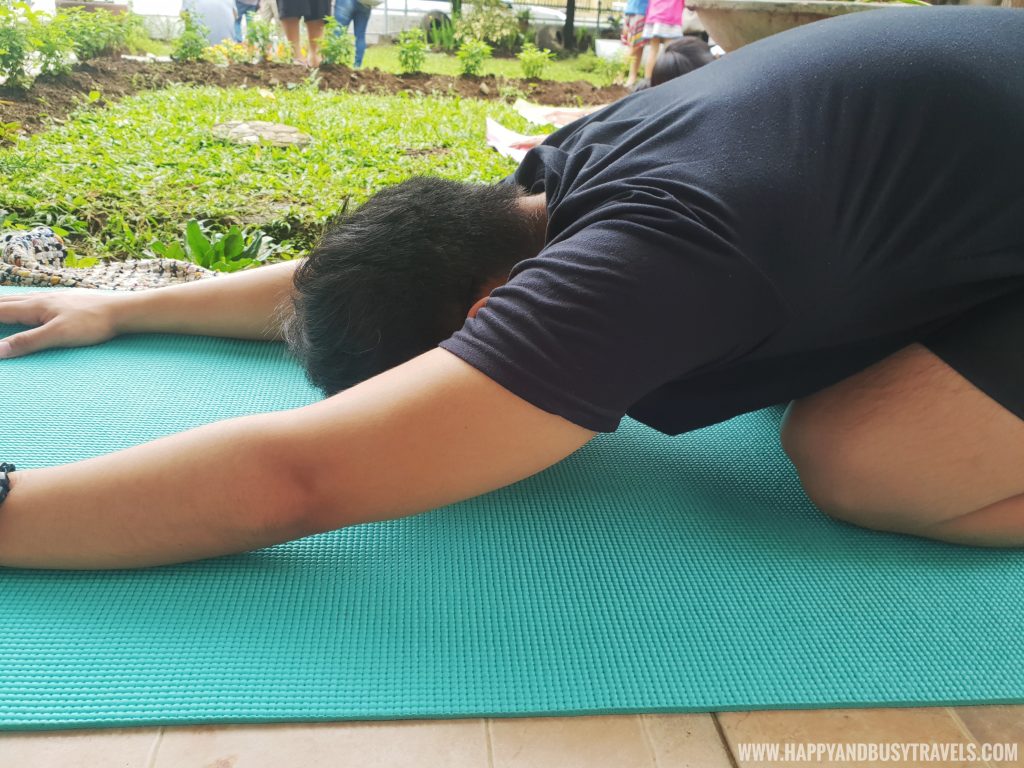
313	12
664	22
243	10
357	13
633	35
217	16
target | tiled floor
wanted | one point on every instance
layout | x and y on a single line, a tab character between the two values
616	741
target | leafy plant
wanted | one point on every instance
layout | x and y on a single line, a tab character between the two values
491	21
51	40
533	60
260	35
472	55
9	133
442	36
80	262
607	71
14	46
229	53
98	33
337	45
225	252
192	43
412	51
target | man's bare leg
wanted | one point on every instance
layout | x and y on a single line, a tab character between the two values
909	445
315	31
291	31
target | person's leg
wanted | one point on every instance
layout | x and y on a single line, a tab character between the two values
343	11
360	19
909	445
652	55
635	54
249	15
315	31
291	31
239	12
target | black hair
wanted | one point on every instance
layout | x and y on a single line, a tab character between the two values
390	280
679	58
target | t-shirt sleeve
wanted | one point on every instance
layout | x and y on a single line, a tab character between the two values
611	312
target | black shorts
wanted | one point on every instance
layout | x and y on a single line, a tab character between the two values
310	10
986	347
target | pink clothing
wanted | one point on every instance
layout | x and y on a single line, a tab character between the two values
666	12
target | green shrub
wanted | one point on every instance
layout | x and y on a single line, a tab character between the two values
14	46
259	33
98	33
51	39
490	21
533	60
412	51
337	46
191	45
609	70
472	56
442	36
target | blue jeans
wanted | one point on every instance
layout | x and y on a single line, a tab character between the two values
242	9
353	11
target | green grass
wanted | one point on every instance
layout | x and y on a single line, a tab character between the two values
121	177
142	45
385	57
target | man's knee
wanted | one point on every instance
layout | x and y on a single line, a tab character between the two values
840	469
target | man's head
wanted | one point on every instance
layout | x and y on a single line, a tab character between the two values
392	279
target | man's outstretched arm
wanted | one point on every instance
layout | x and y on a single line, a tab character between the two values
426	433
250	304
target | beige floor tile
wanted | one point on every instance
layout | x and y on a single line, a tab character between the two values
996	725
362	744
85	748
933	725
610	741
685	741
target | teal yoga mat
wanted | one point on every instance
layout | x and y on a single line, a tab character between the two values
643	574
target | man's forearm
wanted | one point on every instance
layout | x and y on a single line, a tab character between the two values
244	305
219	489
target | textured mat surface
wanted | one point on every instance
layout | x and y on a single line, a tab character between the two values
644	573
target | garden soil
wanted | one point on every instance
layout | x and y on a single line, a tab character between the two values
54	98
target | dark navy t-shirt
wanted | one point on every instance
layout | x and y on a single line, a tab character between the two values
769	224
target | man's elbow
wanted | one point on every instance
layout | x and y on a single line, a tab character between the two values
289	502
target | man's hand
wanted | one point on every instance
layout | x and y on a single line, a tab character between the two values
243	305
69	317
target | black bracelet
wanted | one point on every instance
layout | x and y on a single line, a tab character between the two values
5	481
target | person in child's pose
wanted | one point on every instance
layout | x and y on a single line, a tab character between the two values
633	35
664	21
785	225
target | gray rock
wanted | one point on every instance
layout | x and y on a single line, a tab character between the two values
258	131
